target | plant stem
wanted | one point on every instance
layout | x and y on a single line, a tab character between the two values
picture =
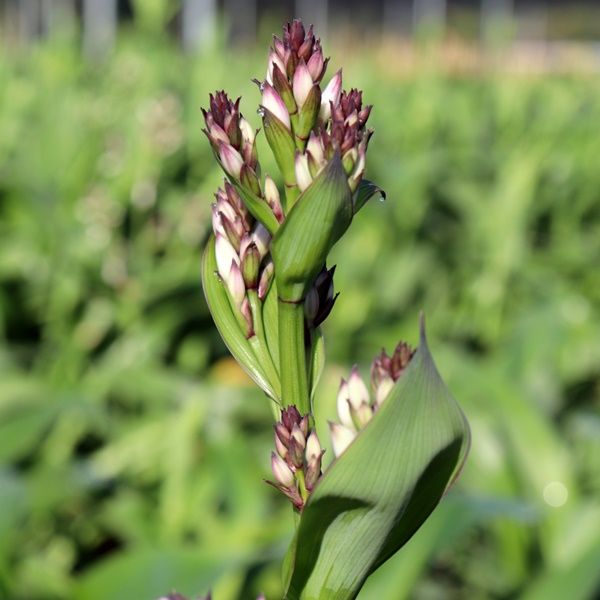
292	356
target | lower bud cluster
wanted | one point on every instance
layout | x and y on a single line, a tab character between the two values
355	406
241	248
296	465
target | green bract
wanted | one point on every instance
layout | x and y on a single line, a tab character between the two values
375	496
319	218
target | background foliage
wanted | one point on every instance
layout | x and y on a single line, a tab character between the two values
132	449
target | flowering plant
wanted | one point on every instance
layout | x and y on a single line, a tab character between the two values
268	288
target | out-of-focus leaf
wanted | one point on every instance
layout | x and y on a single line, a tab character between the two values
365	191
375	496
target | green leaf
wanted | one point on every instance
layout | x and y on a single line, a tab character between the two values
376	495
226	322
365	191
319	218
282	145
317	359
258	207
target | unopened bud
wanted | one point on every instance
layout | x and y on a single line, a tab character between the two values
231	160
235	284
250	264
272	101
302	83
282	473
225	255
357	390
331	94
261	238
303	177
273	199
266	277
313	446
343	405
341	437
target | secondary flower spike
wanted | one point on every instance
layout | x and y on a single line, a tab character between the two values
241	244
355	406
296	464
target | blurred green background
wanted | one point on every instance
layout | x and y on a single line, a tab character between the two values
133	450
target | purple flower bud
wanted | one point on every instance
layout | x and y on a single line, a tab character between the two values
261	238
280	446
235	284
282	473
231	160
272	101
298	435
386	370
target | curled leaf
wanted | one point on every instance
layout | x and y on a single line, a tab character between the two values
376	495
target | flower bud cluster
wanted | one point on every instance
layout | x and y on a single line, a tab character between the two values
321	122
355	405
296	465
234	142
343	130
241	248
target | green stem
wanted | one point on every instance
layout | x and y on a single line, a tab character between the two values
292	356
292	191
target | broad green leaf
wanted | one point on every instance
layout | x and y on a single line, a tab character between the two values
376	495
365	191
319	218
227	324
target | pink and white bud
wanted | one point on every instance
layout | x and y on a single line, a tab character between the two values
274	58
262	238
217	221
298	435
231	160
225	255
358	392
316	65
248	132
235	284
273	199
341	437
331	94
272	101
303	176
383	389
282	473
280	446
266	277
343	405
313	447
302	83
314	148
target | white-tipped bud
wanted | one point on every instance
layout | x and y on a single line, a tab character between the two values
262	238
283	474
343	406
273	199
315	148
303	177
272	101
383	389
248	132
266	277
302	83
341	437
357	390
235	284
217	221
313	447
315	65
225	255
280	447
330	94
298	435
231	160
274	59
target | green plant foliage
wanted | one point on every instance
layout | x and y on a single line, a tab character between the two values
125	430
